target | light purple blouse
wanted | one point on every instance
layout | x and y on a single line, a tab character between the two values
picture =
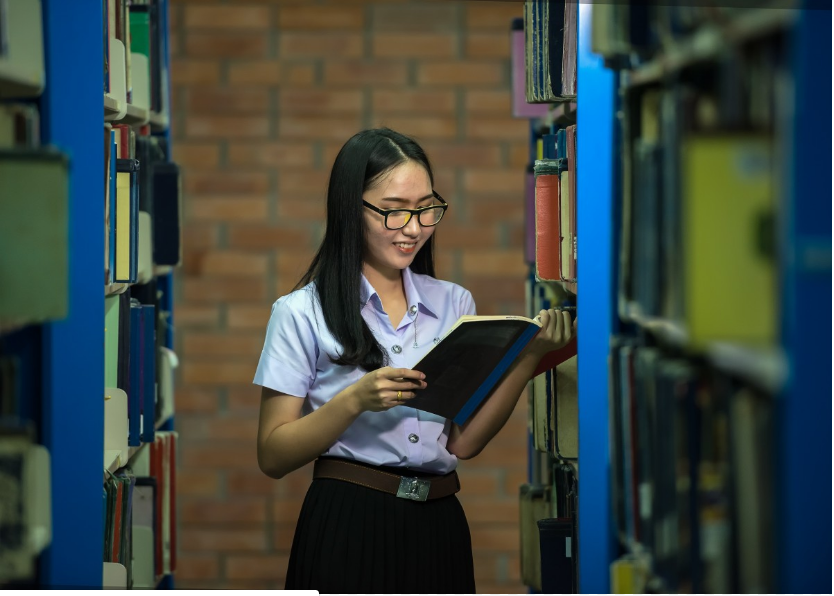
296	361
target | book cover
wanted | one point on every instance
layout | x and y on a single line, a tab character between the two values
469	361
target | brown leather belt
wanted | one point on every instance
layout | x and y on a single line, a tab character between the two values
405	487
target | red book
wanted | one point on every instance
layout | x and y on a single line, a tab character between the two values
556	357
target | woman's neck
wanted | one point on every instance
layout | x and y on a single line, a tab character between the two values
386	283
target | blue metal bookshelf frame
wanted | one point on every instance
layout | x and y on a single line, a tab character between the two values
804	518
72	417
595	126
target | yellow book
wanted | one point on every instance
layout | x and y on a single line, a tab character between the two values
123	226
728	239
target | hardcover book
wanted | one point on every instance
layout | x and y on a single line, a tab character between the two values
469	361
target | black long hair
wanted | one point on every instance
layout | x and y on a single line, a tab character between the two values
337	267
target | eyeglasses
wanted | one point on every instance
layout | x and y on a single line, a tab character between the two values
396	219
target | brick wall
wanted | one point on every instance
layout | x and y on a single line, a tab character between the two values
265	92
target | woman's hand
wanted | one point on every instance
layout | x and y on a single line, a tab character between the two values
556	332
385	388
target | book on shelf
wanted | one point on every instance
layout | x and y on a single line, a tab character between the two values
469	361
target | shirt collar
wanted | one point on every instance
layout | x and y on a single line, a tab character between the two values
413	293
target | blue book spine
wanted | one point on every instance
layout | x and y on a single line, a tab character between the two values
134	226
134	396
489	383
149	373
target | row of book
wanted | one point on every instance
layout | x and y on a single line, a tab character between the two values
692	472
135	73
26	509
142	206
550	37
548	531
551	211
139	513
699	221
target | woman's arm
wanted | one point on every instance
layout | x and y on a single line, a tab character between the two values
467	441
287	440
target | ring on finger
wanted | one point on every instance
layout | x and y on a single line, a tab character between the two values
399	395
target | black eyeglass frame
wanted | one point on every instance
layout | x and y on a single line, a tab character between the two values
413	212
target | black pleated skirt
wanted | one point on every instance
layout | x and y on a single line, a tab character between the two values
351	539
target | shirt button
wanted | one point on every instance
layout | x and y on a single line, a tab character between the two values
413	310
413	438
396	349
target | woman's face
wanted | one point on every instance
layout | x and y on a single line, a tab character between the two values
407	186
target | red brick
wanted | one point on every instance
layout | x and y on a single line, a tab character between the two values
295	181
413	101
501	129
479	510
264	237
236	100
240	510
496	16
514	479
476	480
415	45
220	290
202	483
192	72
296	483
488	45
494	537
227	17
225	181
216	457
321	101
217	373
233	264
286	510
191	316
520	155
198	154
510	182
491	208
488	102
243	430
494	263
242	316
274	155
282	536
226	45
318	18
440	16
319	127
325	45
299	208
421	127
460	73
463	154
257	567
196	399
449	236
359	72
192	566
226	209
251	127
257	72
240	482
245	401
221	344
249	539
300	75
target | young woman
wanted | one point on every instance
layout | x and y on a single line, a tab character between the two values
336	377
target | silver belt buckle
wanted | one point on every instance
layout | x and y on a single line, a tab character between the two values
415	489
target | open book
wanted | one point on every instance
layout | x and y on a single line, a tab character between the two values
470	360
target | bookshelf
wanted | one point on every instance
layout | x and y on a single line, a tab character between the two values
736	412
54	356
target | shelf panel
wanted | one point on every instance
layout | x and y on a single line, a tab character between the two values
159	122
710	42
135	116
112	459
17	82
666	330
764	367
112	107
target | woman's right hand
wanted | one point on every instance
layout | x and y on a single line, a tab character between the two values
386	388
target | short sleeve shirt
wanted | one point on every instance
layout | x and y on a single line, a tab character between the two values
296	360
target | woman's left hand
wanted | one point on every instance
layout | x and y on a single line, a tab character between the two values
556	332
